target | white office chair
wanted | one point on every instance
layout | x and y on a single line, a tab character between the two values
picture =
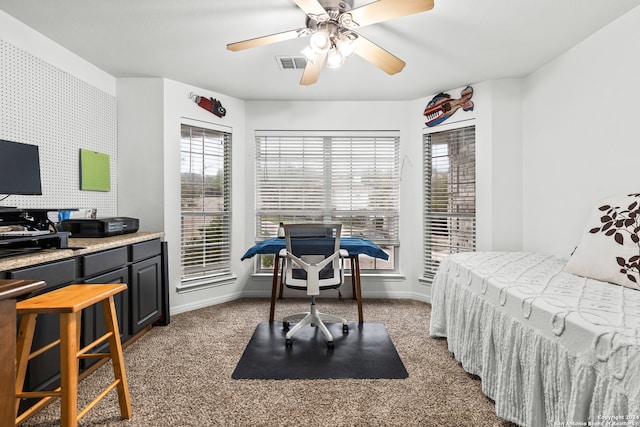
313	262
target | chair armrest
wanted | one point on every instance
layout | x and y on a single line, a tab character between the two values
282	253
344	253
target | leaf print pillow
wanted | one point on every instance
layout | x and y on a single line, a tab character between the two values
610	247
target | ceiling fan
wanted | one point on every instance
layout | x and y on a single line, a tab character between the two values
331	25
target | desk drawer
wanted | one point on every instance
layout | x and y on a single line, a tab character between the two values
101	262
144	250
55	274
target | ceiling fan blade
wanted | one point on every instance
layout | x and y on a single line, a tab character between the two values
312	8
261	41
379	57
312	71
384	10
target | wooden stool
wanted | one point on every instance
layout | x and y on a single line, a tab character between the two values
68	303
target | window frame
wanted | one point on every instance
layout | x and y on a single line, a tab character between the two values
430	216
324	203
220	271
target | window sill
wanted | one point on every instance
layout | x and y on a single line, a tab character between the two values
205	284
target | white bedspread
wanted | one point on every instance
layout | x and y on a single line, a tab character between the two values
550	347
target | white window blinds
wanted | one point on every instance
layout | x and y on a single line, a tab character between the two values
450	195
333	177
205	166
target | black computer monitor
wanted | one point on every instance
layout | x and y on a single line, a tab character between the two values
19	168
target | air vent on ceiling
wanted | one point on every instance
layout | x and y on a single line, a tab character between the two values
291	62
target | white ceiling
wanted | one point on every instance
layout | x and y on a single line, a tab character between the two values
459	42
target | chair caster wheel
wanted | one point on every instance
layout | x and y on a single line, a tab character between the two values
345	328
330	345
288	343
285	326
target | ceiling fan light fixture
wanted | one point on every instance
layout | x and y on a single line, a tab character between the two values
334	58
310	54
346	49
346	44
320	41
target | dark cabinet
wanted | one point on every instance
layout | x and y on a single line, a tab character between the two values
101	262
146	293
110	266
144	250
93	325
55	274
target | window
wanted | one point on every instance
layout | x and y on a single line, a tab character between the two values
205	167
450	195
351	178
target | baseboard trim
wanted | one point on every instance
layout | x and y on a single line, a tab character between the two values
267	294
206	303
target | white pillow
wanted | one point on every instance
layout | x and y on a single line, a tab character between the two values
610	246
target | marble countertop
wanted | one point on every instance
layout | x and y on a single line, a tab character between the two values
77	246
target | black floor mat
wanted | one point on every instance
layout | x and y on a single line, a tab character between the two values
366	352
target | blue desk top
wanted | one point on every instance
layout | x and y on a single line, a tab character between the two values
352	245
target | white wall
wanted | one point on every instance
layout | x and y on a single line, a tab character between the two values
499	166
151	112
140	142
580	145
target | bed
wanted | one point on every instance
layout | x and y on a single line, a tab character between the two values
550	347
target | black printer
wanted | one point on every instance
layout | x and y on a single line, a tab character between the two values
100	227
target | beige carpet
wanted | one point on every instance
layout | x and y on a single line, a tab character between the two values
180	375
